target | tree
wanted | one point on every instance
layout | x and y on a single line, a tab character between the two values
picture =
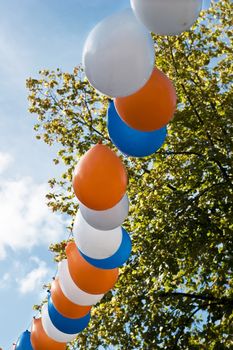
176	290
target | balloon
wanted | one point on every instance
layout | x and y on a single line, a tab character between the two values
24	342
100	178
167	17
64	324
87	277
116	260
64	306
130	141
95	243
71	290
106	219
118	55
150	108
40	340
51	331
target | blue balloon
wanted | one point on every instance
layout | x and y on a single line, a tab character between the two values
132	142
116	260
64	324
24	342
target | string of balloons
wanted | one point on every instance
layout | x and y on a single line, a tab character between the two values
118	59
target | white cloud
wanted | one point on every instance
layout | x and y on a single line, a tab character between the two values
4	280
5	160
25	219
35	278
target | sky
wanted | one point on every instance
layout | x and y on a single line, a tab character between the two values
34	35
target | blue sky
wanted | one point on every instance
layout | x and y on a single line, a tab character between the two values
34	34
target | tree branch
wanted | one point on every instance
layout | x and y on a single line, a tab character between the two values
180	153
223	171
181	331
90	127
222	301
184	325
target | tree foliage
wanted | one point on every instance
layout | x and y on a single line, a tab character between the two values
176	290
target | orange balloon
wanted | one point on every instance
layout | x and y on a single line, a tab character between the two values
151	107
88	278
40	340
64	306
100	178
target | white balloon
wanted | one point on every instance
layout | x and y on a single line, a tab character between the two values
167	17
118	55
106	219
51	331
72	291
95	243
